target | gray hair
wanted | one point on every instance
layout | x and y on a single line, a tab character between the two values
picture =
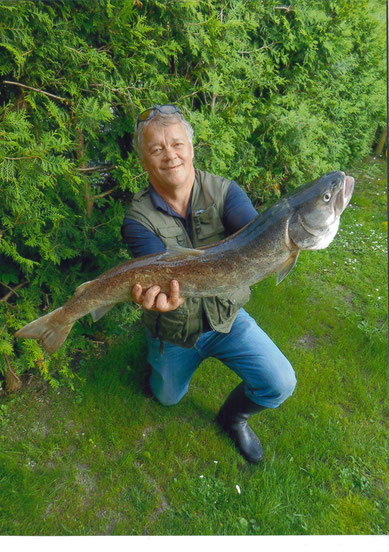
163	120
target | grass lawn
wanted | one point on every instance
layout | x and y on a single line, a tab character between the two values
107	459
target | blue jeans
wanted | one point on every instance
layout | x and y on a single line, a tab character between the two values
268	376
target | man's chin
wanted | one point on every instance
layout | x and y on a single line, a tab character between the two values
174	172
175	177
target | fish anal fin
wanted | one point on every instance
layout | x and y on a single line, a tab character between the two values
101	311
287	267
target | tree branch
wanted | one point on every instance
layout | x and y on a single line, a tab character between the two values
189	95
99	196
213	102
25	157
36	90
286	8
12	381
12	290
91	169
258	49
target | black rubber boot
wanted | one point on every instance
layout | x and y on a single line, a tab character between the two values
233	417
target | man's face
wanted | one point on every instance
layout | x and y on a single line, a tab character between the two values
168	156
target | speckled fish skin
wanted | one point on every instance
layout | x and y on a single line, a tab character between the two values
307	218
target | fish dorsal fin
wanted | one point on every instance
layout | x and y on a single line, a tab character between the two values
82	288
287	267
175	252
99	313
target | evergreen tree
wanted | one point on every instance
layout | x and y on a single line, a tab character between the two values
277	95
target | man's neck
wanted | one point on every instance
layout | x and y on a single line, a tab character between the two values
177	198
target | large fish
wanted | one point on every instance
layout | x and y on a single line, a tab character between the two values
308	218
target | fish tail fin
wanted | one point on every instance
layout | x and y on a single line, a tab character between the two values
47	328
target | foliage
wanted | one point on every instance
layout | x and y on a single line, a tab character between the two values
276	95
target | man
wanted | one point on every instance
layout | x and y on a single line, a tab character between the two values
187	207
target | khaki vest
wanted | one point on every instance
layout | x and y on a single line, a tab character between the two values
184	325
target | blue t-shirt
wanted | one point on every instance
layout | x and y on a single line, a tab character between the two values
238	211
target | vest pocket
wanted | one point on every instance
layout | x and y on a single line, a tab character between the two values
208	225
170	326
173	326
181	327
222	311
172	235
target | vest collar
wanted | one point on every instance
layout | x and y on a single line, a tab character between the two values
160	203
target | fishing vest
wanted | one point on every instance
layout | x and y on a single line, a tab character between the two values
184	325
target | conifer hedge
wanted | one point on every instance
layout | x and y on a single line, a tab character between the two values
277	94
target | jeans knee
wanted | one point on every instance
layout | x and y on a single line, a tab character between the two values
272	388
165	395
285	384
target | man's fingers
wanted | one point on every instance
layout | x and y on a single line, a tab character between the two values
150	297
162	303
175	299
174	290
137	293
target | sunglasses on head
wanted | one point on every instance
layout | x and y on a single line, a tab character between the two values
148	114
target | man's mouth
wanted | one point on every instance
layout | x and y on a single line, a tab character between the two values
172	168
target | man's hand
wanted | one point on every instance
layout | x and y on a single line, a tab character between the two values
152	299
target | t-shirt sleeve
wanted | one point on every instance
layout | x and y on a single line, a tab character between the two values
238	209
140	240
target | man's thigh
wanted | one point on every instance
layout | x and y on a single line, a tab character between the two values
253	356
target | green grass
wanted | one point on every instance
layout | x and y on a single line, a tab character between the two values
107	459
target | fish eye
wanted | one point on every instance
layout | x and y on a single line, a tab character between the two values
327	197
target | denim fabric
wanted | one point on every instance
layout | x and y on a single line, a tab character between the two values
268	376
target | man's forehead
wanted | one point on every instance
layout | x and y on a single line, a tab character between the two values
155	132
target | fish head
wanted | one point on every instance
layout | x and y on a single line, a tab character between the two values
316	208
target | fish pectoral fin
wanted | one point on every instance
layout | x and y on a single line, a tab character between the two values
101	311
178	252
287	267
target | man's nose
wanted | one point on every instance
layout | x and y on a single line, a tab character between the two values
170	152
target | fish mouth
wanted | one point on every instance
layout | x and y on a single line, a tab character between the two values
344	195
